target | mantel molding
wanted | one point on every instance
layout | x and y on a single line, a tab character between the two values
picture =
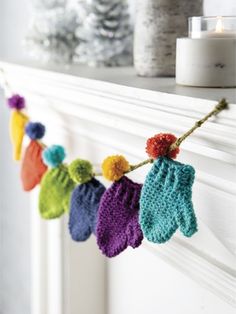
208	273
137	111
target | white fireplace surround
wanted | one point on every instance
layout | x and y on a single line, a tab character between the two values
102	111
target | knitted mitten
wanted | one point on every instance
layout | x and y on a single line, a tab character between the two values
56	185
33	167
83	209
54	197
165	202
117	223
17	130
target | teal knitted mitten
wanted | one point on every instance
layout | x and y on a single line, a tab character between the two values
165	202
56	188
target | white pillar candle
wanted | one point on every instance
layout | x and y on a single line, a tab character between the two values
208	57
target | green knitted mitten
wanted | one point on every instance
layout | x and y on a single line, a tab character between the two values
54	197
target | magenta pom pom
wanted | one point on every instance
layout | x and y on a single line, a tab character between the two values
16	102
35	130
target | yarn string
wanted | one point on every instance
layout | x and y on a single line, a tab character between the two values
221	105
218	108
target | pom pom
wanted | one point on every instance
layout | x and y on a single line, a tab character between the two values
16	102
81	171
54	155
114	167
35	131
159	144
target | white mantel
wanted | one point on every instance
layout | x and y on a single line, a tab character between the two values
95	112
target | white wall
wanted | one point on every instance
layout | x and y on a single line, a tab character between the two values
15	282
14	17
219	7
14	229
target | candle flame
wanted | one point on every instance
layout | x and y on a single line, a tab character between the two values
219	25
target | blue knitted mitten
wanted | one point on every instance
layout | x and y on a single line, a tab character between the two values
165	202
83	209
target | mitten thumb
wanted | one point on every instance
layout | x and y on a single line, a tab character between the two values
66	199
66	187
186	219
185	215
134	232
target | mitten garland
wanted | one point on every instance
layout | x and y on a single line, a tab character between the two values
117	223
113	215
56	185
165	202
33	168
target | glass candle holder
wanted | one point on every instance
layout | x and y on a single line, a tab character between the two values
212	27
207	57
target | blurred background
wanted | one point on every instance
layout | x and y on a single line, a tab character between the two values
15	281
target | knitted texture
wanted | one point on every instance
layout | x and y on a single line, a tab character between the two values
117	223
55	192
165	202
32	168
83	209
17	130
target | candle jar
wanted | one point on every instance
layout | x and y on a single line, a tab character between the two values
158	23
207	58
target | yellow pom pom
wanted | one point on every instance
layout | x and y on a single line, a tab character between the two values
114	167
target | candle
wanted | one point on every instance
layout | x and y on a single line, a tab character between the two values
207	57
218	32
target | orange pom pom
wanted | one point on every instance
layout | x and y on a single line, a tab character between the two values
114	167
159	145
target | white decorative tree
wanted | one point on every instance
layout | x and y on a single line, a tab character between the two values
105	38
51	35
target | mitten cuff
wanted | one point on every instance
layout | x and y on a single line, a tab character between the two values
172	173
62	176
91	191
127	192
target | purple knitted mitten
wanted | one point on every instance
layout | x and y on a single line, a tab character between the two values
117	224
